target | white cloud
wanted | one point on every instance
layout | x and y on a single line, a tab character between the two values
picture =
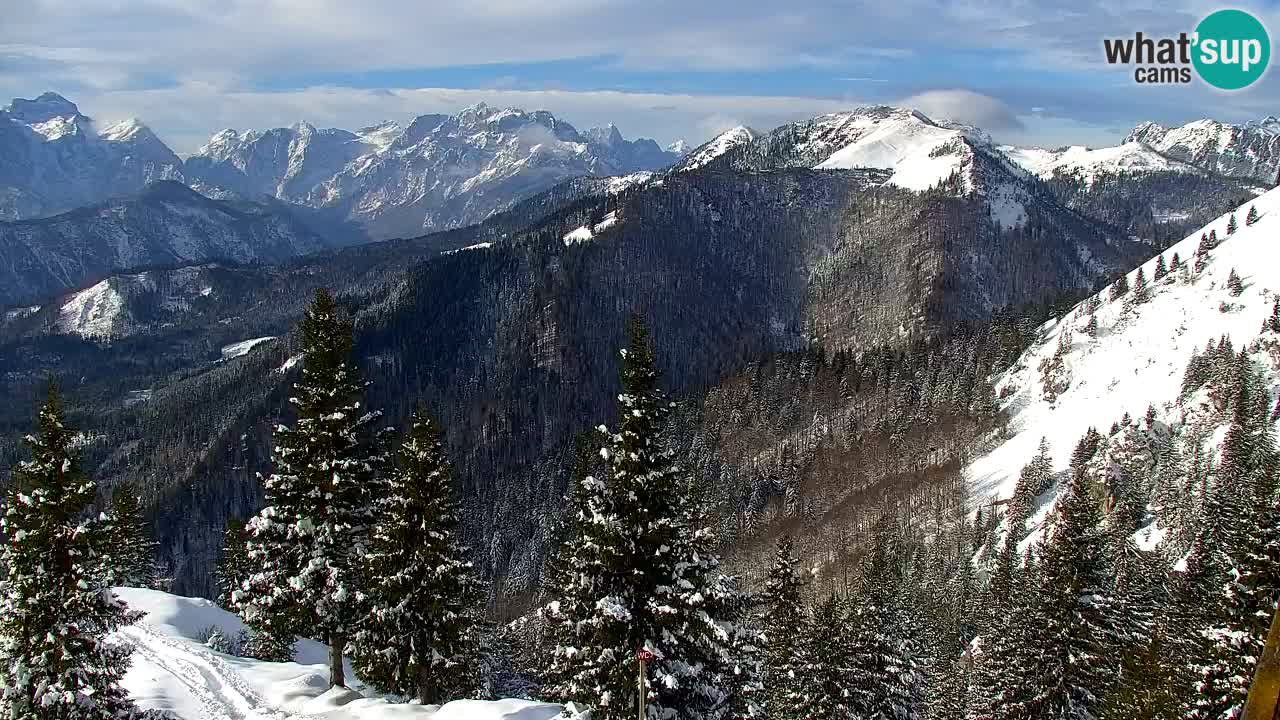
965	106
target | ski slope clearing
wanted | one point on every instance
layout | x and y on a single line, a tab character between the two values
1141	350
172	670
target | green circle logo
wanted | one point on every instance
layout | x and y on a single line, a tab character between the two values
1231	49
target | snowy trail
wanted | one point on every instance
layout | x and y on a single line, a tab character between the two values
203	687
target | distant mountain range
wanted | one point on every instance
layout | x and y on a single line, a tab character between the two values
439	171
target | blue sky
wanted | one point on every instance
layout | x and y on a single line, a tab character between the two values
1030	71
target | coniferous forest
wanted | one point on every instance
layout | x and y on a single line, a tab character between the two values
768	435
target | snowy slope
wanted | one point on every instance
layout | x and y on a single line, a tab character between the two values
172	671
1089	163
1248	152
1141	351
714	148
919	152
242	348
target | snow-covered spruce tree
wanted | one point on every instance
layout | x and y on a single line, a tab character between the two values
307	545
232	571
421	632
1036	477
1244	501
56	606
884	679
130	551
827	657
1120	287
233	567
1235	285
1202	253
1074	628
643	575
1160	271
1231	224
1252	217
1140	291
784	616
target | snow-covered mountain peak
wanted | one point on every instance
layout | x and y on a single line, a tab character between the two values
1248	152
47	106
919	152
717	146
1108	357
679	147
126	130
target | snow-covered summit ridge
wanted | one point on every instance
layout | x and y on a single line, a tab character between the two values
1141	350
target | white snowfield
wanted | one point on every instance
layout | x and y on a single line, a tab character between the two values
173	671
242	348
1141	351
1089	163
919	152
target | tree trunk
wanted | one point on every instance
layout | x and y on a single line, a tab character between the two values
1265	690
426	685
337	675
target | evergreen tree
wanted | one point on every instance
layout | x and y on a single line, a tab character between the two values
645	574
1091	327
131	552
306	546
1147	687
783	618
1120	287
884	680
56	607
1202	253
1140	292
233	567
1234	284
827	659
421	633
1252	217
232	571
1272	323
1035	479
1231	224
1160	270
1074	626
1175	263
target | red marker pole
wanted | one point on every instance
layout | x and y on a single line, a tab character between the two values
643	656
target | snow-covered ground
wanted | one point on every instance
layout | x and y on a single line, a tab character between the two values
1088	163
173	671
919	152
242	348
1141	351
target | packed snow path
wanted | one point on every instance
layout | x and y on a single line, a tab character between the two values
173	671
198	684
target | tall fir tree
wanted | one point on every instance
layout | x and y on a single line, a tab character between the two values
130	551
884	677
422	631
1074	626
644	574
1252	217
827	671
307	545
1141	293
1161	270
56	606
783	618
